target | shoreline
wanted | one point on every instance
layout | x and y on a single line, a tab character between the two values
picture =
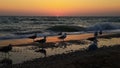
103	56
52	39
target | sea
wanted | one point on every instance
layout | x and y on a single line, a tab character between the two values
18	27
15	27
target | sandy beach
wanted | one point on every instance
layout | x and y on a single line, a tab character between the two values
107	55
49	39
59	33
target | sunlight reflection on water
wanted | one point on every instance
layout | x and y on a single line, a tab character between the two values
26	53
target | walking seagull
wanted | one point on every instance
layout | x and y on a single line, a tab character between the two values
100	32
33	37
94	45
60	33
41	41
62	37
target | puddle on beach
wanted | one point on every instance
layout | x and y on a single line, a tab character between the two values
26	53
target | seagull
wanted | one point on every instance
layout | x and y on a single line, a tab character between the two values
100	32
93	46
60	33
33	37
95	34
91	39
41	41
6	49
62	37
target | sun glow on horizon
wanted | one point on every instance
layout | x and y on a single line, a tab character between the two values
59	7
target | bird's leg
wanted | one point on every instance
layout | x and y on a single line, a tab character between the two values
63	40
33	40
44	55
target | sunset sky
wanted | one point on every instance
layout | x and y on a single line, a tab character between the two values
60	7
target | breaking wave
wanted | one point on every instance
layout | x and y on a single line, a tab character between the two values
104	26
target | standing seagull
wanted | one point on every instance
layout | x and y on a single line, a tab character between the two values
62	37
100	32
60	33
95	33
6	49
33	37
93	46
41	41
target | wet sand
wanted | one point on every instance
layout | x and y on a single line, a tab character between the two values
49	39
105	57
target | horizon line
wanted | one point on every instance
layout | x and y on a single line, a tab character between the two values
60	16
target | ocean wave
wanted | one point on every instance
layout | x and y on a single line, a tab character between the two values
104	26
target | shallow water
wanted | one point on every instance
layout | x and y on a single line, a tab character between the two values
26	53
